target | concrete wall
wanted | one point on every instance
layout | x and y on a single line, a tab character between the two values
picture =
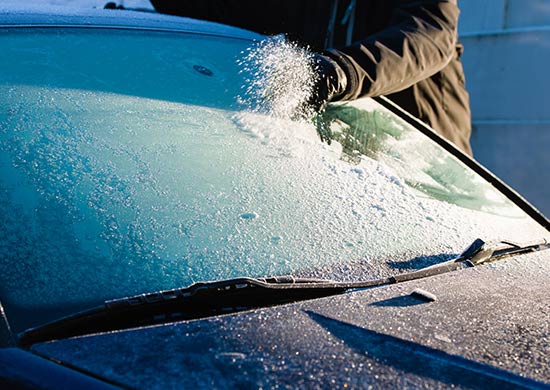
508	76
524	13
490	15
507	65
481	15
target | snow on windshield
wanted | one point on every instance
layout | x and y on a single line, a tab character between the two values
127	170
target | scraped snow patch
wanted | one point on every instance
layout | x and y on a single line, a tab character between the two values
289	138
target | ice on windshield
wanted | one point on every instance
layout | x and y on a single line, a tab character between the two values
128	170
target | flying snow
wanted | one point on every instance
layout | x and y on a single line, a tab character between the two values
279	79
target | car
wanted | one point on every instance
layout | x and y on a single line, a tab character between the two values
159	232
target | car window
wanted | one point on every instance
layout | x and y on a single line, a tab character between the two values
128	166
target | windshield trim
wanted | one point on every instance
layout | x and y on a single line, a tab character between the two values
123	28
474	165
127	20
7	338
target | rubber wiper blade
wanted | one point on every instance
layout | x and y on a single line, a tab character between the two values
200	300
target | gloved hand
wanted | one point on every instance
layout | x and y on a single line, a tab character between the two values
330	82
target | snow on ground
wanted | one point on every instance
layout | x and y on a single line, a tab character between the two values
142	4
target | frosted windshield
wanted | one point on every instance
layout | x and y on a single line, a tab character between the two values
127	166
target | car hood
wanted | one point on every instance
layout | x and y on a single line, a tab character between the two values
487	327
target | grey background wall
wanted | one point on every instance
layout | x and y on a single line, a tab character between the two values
507	65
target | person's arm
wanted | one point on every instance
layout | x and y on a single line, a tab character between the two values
420	42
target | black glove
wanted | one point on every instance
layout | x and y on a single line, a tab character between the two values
330	83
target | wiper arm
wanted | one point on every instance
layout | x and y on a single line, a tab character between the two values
502	249
229	296
478	253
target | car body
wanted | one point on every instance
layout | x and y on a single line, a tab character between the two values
130	169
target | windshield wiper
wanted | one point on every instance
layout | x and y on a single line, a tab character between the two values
200	300
229	296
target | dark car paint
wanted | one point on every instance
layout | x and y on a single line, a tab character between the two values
487	328
23	370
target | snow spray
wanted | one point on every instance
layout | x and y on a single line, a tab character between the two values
279	79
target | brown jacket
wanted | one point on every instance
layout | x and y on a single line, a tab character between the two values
407	50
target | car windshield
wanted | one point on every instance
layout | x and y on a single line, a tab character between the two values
129	166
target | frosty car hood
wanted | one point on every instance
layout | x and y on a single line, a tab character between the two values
488	327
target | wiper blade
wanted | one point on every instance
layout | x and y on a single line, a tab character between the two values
207	299
197	301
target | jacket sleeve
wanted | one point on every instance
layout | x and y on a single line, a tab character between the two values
419	42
